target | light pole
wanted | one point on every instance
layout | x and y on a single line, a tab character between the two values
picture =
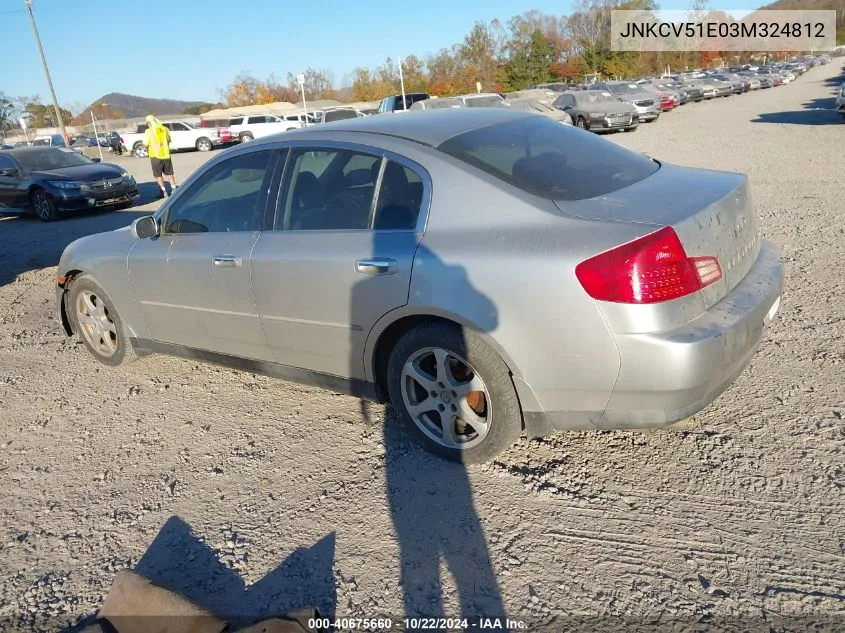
28	4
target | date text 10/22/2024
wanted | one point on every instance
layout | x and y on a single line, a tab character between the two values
434	624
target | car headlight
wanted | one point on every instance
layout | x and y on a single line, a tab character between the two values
127	176
64	184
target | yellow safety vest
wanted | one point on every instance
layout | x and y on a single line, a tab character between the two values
157	139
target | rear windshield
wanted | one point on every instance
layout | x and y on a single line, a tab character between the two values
550	160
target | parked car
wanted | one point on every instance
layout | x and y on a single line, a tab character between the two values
656	307
301	118
52	181
736	82
394	103
329	115
597	111
646	104
49	140
247	128
840	100
689	92
483	100
667	100
6	146
438	103
752	79
536	106
183	135
558	86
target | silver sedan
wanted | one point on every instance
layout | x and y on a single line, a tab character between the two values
488	272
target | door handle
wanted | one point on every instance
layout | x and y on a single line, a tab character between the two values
376	266
226	261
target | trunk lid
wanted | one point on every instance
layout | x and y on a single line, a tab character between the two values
711	211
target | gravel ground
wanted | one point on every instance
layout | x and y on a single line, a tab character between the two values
253	495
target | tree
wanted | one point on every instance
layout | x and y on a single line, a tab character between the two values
366	87
8	113
318	84
530	62
482	49
413	73
272	90
41	115
242	91
202	108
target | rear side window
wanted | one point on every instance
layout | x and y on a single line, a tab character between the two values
237	121
550	160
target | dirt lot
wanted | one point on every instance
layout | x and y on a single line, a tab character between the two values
253	495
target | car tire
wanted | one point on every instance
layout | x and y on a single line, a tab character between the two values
43	206
581	123
246	137
140	150
96	322
204	144
418	355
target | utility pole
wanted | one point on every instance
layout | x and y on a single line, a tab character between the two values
28	4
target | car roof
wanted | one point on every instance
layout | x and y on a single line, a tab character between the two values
429	127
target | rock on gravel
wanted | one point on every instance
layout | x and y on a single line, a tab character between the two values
267	495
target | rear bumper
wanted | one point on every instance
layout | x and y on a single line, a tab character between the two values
668	376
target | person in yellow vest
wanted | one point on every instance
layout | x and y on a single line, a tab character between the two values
157	140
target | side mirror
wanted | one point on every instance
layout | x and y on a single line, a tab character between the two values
9	172
144	227
96	160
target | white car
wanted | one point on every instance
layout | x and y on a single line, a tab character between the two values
183	135
840	100
246	128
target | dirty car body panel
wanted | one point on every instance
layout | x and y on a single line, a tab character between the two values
495	249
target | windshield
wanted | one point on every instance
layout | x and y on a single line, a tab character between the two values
51	158
440	104
627	89
191	125
593	96
550	160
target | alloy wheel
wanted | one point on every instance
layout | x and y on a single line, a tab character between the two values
42	206
96	323
446	398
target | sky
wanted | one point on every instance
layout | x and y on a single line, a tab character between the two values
190	49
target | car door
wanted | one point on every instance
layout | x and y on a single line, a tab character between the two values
347	225
192	282
179	136
10	195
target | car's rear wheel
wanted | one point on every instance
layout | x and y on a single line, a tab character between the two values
95	320
453	393
246	137
43	206
140	150
204	145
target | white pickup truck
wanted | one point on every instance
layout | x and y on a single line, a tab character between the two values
183	135
246	128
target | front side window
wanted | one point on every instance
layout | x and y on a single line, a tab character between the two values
328	189
229	197
553	161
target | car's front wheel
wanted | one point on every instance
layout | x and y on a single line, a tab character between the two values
95	320
453	393
140	150
246	137
581	123
43	206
